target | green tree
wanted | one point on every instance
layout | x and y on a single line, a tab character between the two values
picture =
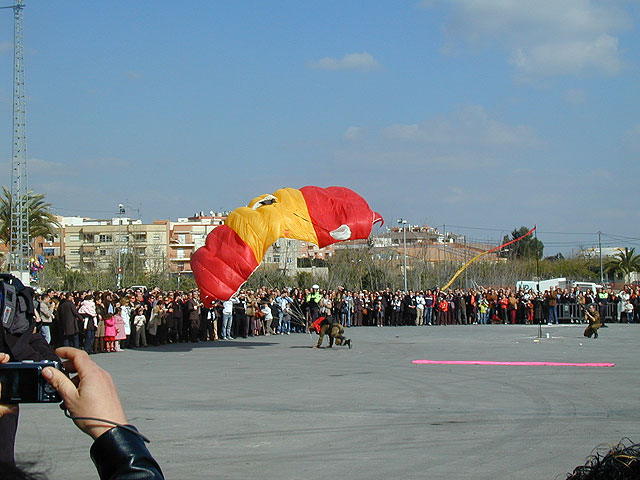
528	247
624	262
41	221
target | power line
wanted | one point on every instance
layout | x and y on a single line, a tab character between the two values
82	210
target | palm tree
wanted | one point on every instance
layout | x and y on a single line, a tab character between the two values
42	223
624	262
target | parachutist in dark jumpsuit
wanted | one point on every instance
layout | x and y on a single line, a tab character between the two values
326	326
593	317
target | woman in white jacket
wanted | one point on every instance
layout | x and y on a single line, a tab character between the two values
125	313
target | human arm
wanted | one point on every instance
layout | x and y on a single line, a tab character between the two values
46	312
118	453
321	334
8	425
74	311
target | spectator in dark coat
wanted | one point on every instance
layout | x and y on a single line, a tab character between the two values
68	317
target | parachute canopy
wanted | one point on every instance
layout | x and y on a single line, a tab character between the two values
233	251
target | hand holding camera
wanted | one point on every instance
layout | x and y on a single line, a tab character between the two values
91	393
22	382
6	409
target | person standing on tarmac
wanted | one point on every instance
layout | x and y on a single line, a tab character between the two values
313	302
327	326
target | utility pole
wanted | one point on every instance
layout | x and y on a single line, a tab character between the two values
600	251
466	280
19	243
538	279
121	212
403	223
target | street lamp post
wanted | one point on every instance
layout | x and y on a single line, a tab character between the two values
121	212
403	223
600	252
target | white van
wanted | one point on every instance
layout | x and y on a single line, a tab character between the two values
586	286
542	285
562	283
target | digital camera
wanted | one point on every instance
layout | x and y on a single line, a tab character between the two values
22	382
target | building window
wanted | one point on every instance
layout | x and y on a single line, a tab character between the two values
156	237
276	258
74	237
106	239
140	237
89	237
182	238
180	253
74	251
103	253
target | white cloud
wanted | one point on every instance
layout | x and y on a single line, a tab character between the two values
547	59
467	139
37	167
351	61
40	166
543	37
632	138
575	96
354	133
133	75
470	125
601	173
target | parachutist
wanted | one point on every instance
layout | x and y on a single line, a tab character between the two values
593	317
327	326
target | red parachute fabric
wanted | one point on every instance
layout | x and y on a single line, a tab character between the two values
331	207
316	325
223	264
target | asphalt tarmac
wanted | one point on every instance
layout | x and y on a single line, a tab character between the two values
273	408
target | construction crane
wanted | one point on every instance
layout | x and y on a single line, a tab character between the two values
19	253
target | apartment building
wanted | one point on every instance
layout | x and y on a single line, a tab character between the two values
95	243
186	235
89	243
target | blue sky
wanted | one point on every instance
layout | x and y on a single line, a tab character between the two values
491	114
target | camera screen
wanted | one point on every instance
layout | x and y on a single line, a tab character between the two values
20	384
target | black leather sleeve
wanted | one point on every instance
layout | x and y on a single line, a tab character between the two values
122	455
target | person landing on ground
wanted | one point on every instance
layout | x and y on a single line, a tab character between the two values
327	326
593	317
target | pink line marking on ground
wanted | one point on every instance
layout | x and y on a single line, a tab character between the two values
527	364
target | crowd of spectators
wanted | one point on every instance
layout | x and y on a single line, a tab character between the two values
110	321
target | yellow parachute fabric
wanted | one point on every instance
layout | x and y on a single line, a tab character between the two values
270	217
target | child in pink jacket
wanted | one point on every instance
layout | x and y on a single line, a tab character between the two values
110	332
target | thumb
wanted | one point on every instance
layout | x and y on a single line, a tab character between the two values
61	383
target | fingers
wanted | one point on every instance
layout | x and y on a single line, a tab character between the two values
80	361
4	408
58	380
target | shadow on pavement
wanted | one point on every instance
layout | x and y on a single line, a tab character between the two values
189	346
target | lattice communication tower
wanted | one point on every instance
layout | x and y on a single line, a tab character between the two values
19	255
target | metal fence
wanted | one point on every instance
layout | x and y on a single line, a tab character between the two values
568	312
